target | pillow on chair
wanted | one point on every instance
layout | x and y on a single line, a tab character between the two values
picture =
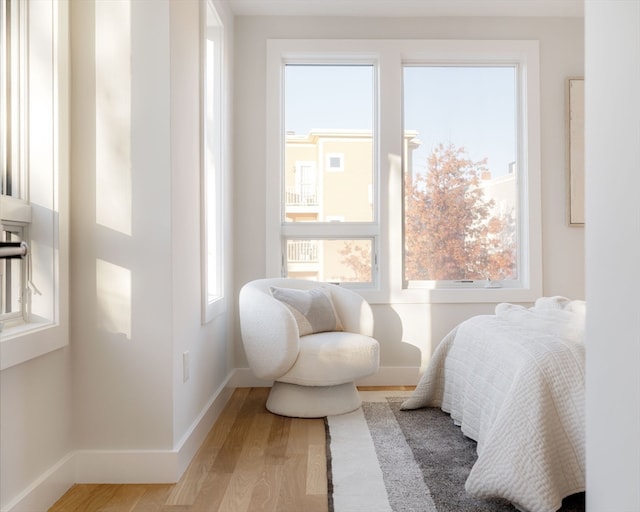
313	309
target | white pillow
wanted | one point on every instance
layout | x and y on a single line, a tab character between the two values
313	309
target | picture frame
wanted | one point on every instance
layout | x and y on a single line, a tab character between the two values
575	151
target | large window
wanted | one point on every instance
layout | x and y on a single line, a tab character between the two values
437	198
328	214
34	177
461	203
212	164
15	211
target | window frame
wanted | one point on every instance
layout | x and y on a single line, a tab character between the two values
464	283
279	54
42	209
389	57
15	210
213	200
14	83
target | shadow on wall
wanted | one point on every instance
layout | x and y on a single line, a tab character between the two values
410	333
389	332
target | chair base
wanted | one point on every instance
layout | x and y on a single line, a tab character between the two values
312	401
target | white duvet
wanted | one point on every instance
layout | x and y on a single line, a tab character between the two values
514	382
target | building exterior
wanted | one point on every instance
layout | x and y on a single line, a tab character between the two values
329	176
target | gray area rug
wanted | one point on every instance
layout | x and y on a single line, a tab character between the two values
424	460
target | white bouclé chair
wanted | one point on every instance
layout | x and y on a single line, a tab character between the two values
314	374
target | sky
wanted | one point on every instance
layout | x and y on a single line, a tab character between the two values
339	97
472	107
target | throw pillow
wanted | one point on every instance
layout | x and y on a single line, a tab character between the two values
313	309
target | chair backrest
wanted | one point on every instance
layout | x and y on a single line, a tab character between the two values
354	312
269	331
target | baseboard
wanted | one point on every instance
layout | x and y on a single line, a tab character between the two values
195	436
152	466
159	466
122	466
386	376
244	378
47	488
392	376
126	466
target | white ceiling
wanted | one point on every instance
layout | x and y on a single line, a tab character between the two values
407	8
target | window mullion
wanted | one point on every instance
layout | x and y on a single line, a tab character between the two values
390	156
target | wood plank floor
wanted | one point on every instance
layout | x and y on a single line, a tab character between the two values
251	461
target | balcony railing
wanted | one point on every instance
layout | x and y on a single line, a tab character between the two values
302	251
305	195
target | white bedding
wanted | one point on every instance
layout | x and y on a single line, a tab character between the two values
514	382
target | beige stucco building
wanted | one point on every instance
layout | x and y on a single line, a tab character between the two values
329	177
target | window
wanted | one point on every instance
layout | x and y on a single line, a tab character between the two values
16	212
335	162
303	192
329	224
34	167
461	203
439	192
212	166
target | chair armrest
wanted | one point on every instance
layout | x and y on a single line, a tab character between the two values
269	333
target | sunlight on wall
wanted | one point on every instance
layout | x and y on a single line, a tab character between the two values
113	114
113	296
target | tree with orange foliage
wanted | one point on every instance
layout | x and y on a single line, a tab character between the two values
358	258
449	231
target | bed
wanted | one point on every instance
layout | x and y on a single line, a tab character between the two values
514	383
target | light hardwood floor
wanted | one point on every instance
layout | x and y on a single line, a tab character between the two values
251	461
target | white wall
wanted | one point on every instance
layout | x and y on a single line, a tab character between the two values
409	332
113	407
121	250
612	82
209	346
136	283
35	433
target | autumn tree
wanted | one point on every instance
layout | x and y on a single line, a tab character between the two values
450	233
501	251
357	258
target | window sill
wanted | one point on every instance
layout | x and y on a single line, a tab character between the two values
22	341
452	295
213	309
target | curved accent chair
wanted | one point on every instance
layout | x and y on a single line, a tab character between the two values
314	340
